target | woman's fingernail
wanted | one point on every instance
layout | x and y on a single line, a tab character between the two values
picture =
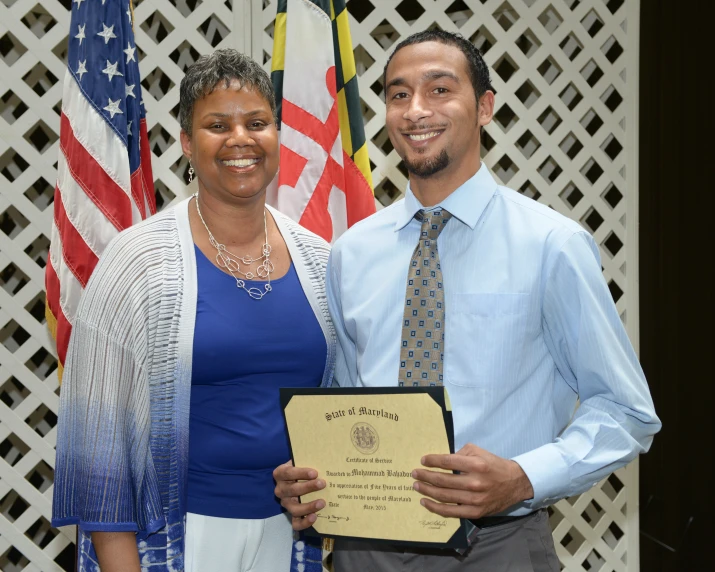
416	486
320	504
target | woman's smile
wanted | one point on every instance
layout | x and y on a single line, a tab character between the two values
233	144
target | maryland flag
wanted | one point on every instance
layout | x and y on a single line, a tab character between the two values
324	181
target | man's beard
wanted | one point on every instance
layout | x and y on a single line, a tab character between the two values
427	167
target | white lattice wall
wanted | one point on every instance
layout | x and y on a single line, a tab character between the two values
565	133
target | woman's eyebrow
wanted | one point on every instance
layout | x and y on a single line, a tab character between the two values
226	115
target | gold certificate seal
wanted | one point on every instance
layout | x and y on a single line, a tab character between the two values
364	438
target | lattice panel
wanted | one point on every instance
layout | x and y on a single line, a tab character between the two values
32	45
559	136
170	35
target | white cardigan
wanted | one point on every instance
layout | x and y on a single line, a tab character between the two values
123	429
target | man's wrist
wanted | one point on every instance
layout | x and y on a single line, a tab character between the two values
523	489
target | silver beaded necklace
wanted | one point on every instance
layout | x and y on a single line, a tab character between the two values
232	262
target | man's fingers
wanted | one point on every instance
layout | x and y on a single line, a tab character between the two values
304	514
294	482
298	509
303	523
287	472
455	496
470	449
463	463
448	480
298	489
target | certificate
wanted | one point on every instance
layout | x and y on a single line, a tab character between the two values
365	443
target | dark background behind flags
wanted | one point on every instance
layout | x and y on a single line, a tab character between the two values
677	306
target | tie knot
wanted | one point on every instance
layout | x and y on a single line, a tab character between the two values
433	222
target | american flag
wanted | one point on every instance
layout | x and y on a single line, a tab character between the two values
104	179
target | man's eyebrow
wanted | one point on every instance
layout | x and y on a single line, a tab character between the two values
430	75
439	74
395	82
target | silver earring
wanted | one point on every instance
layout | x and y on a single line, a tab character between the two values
191	172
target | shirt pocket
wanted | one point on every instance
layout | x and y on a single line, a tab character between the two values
486	337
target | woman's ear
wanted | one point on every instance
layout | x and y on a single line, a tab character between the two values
185	144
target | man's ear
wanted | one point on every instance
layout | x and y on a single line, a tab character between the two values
485	111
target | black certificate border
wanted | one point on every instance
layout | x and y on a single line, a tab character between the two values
459	538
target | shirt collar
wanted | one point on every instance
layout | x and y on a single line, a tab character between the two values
467	202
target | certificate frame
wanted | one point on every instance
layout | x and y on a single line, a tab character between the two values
439	395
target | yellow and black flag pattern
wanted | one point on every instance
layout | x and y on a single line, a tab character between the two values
320	36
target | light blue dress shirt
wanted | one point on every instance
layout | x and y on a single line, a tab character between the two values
531	328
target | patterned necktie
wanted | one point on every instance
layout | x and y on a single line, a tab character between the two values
422	351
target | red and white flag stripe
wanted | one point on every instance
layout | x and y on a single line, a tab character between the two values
96	197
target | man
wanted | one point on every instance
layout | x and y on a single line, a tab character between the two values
471	285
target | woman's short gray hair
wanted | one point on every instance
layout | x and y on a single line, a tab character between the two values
210	70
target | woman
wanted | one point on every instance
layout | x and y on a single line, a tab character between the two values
170	424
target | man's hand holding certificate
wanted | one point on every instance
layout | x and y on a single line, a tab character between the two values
485	484
365	445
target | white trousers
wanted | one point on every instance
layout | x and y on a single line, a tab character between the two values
216	544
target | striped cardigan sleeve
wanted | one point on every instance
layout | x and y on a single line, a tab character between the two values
104	475
314	253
